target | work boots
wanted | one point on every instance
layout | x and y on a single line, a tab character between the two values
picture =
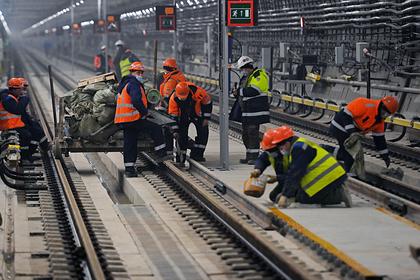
130	172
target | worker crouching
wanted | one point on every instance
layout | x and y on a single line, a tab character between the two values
305	172
131	114
191	104
14	116
362	115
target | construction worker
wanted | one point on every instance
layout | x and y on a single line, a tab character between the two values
123	59
100	62
306	173
363	115
131	115
171	77
14	115
253	99
191	104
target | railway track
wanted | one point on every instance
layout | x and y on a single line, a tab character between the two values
241	243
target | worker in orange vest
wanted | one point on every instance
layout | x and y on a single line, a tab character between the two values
191	104
171	78
363	115
131	115
14	116
100	62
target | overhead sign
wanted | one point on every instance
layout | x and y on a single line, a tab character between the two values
113	23
165	17
99	26
76	28
242	12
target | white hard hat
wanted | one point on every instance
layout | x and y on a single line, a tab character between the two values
103	47
119	43
243	60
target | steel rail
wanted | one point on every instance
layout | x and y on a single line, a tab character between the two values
95	267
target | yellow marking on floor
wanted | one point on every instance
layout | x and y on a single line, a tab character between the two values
399	218
356	266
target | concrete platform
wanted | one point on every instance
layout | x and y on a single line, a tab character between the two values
372	237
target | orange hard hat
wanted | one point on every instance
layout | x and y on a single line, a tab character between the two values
282	133
182	90
266	143
15	83
170	62
390	103
136	66
24	81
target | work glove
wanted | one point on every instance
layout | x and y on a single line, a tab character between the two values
282	203
205	122
255	173
386	159
271	179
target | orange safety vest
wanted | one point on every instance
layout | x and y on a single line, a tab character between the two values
364	112
9	120
170	80
125	111
200	97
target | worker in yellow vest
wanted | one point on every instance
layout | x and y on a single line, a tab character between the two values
308	175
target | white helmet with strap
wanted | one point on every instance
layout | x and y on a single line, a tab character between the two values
243	60
119	43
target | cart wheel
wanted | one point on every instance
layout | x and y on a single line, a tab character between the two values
56	148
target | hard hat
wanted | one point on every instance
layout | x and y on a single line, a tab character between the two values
282	133
170	62
390	103
266	143
136	66
119	43
103	47
182	90
243	60
255	186
15	83
24	81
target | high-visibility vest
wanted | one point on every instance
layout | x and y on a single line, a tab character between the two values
321	171
364	112
199	97
170	80
259	81
124	66
9	120
125	111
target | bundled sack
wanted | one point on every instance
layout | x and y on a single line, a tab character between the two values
255	187
93	88
104	105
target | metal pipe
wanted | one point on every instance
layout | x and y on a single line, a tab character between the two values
72	35
224	94
376	86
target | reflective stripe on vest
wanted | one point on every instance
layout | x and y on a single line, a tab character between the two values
273	163
125	111
9	120
124	66
322	170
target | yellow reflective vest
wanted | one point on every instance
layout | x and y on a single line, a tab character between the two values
260	81
273	163
124	66
321	171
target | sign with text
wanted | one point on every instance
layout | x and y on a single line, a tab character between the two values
242	12
165	18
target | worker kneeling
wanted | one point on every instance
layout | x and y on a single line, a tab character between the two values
14	116
191	104
305	172
131	114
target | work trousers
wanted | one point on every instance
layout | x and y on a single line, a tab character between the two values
251	139
200	141
131	132
30	136
342	153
